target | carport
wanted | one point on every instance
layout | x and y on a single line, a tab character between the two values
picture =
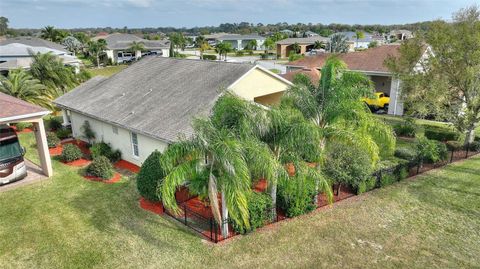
13	110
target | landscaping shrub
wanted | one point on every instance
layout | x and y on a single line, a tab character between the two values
259	209
71	153
406	154
387	179
55	123
454	145
150	176
402	173
88	133
431	151
371	183
362	187
441	134
100	167
407	128
209	57
104	149
347	164
64	133
295	195
474	146
22	125
294	56
52	140
239	53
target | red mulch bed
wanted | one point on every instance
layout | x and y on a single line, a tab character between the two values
56	151
155	207
261	185
122	164
82	145
345	192
116	178
78	163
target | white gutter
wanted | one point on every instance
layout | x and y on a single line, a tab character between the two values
25	116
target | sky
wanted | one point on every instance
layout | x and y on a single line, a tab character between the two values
189	13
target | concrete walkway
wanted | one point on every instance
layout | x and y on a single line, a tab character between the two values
34	174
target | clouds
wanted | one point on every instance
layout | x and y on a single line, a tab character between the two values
154	13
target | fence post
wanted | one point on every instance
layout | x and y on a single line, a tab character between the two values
418	167
468	147
451	155
211	229
185	213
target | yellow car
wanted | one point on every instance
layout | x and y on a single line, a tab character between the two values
380	101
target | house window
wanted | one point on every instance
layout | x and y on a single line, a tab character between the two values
135	145
115	129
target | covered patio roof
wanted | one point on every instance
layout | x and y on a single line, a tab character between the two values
15	110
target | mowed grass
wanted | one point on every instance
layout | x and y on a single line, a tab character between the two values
106	71
432	221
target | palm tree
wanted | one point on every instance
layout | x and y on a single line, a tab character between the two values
136	47
338	44
96	48
202	44
21	85
223	48
50	33
335	108
251	45
359	35
215	158
271	139
50	70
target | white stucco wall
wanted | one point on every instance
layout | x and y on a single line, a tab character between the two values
122	140
396	104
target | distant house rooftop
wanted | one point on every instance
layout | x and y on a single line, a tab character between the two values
351	36
303	40
119	41
241	37
370	60
34	42
22	50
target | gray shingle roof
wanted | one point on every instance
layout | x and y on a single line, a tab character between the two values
156	96
241	37
303	40
124	41
34	42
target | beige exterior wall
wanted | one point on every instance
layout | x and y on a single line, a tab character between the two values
120	140
258	83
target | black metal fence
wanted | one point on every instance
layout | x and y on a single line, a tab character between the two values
209	228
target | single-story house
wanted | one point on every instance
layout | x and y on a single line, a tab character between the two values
310	34
401	35
150	104
361	43
239	42
369	62
305	43
17	53
118	47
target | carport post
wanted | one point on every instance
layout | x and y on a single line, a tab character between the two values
42	147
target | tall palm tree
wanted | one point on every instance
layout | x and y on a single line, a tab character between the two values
96	48
136	47
215	158
359	35
334	106
223	48
21	85
338	43
272	138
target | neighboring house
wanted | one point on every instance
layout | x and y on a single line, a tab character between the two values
287	32
310	34
306	44
150	104
17	53
369	62
239	42
361	43
118	47
213	38
401	35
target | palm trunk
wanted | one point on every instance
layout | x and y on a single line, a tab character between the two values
224	223
273	195
315	198
98	61
470	135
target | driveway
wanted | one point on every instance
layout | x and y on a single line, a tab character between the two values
34	174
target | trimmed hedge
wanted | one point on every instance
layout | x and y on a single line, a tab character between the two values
259	209
406	154
440	134
52	140
150	177
100	167
104	149
71	153
64	133
454	145
54	123
407	128
209	57
474	146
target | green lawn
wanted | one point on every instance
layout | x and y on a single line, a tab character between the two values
432	221
106	71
